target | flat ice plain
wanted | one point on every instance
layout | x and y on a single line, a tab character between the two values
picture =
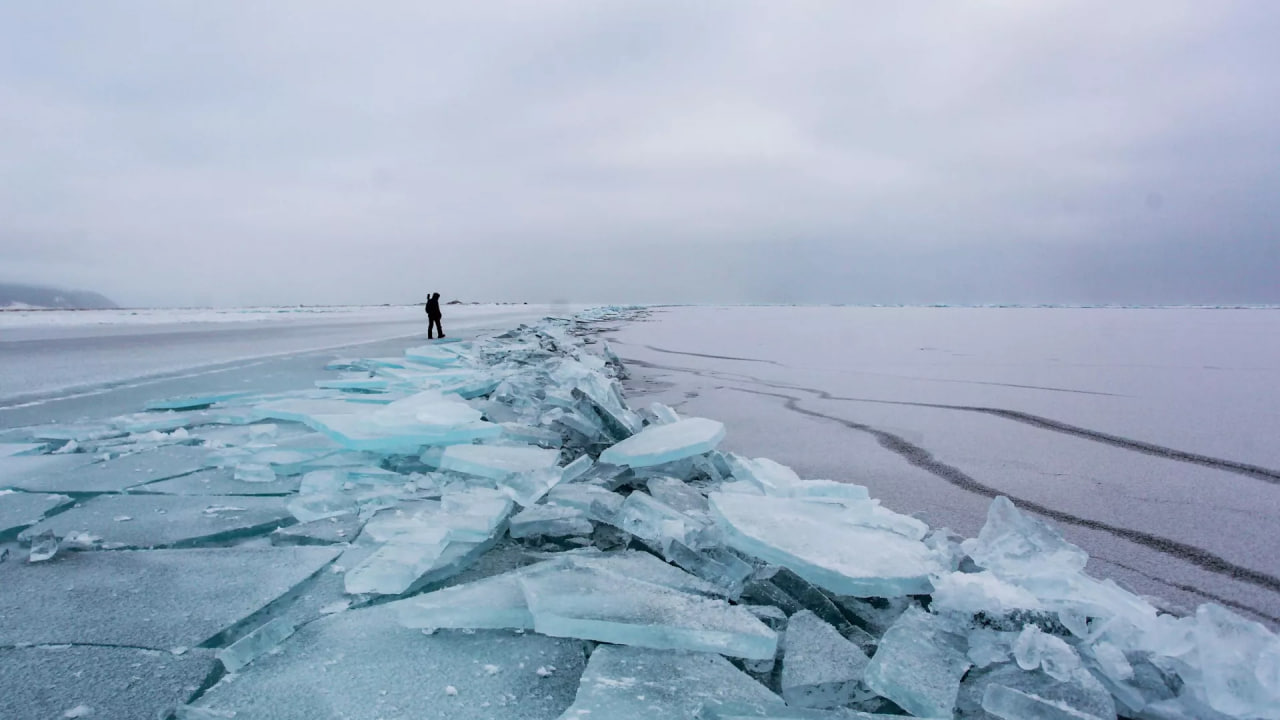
1147	436
48	354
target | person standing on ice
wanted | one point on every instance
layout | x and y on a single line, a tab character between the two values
433	315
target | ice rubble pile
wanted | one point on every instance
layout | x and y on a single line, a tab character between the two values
718	586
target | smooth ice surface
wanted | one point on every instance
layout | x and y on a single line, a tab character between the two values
1173	377
29	472
626	683
116	474
585	602
496	462
362	665
20	509
820	669
166	520
814	540
111	682
549	521
917	666
658	444
157	599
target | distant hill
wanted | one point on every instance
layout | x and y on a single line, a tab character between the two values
35	296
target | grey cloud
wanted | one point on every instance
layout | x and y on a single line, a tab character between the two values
193	153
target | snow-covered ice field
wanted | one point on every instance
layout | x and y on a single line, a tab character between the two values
1150	436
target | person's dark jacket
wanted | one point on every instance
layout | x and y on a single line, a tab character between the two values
433	306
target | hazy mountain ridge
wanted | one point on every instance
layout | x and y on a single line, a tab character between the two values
40	296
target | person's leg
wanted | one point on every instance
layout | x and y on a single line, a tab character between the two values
431	326
439	328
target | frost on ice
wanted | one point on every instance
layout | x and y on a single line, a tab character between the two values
486	529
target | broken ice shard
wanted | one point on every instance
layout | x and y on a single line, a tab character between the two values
252	646
623	683
1008	692
1240	660
816	541
677	494
496	462
397	566
43	547
658	444
360	432
820	669
716	565
657	523
972	593
549	521
585	602
495	603
598	503
918	666
1011	544
433	355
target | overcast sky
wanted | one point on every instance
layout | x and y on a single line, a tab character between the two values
230	153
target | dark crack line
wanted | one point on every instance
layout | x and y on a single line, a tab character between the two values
925	460
704	355
1046	388
1256	472
60	645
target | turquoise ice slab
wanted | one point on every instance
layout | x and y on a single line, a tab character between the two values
496	462
36	472
126	471
363	665
154	521
493	603
19	510
589	603
432	355
627	683
549	521
918	666
658	444
158	599
820	669
816	541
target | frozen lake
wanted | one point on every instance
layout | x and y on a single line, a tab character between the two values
53	354
1147	436
301	525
